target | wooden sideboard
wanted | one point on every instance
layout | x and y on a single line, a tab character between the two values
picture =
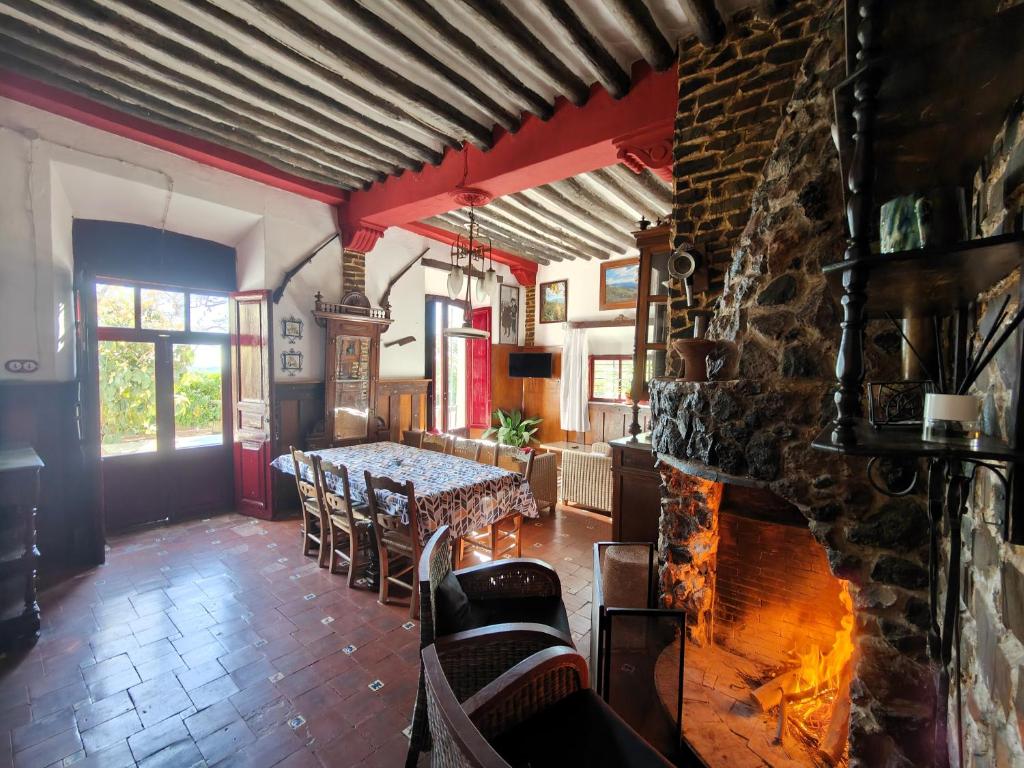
19	496
636	491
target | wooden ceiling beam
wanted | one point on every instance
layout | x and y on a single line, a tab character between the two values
295	30
357	16
493	15
524	270
574	140
489	215
631	187
60	96
507	239
537	215
498	77
159	37
707	22
610	74
636	21
231	112
581	189
550	195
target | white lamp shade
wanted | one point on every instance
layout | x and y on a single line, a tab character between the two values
455	278
490	282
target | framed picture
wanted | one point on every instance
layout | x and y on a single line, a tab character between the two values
620	284
291	362
291	328
508	315
554	300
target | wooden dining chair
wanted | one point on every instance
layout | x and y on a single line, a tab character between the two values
311	503
466	449
434	442
348	525
503	536
398	543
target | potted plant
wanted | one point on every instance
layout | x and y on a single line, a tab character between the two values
513	429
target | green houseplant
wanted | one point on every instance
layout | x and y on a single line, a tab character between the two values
513	429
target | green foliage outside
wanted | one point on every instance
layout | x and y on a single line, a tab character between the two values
513	429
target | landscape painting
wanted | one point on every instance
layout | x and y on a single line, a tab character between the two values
620	284
554	299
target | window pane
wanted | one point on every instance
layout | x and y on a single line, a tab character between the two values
163	310
457	392
115	305
198	413
208	313
127	397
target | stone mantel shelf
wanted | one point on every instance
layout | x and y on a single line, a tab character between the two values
708	472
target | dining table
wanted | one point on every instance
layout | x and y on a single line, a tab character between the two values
449	490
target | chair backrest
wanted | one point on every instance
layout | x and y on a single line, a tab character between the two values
432	442
338	501
435	564
381	519
306	479
466	449
509	456
487	452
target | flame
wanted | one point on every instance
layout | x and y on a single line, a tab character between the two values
822	671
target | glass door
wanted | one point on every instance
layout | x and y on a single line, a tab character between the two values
447	367
163	383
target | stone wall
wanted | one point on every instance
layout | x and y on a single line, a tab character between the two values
731	99
777	310
992	666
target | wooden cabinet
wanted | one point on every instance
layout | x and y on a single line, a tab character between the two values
652	325
351	369
19	495
636	491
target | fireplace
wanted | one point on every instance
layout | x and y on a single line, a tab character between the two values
769	628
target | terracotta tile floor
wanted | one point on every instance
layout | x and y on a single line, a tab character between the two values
216	642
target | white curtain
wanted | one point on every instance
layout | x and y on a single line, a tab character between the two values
573	396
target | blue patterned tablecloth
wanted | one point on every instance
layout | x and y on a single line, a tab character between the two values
450	490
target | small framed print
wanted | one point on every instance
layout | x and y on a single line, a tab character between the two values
291	362
508	315
553	302
291	328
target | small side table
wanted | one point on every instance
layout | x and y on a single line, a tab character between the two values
19	496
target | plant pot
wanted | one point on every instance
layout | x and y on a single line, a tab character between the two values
694	353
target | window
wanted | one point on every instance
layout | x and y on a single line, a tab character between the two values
120	305
611	378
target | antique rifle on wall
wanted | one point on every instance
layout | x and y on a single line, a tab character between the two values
279	291
385	299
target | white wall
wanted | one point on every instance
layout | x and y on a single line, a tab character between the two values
584	298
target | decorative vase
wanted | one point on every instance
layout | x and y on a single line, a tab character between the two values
694	353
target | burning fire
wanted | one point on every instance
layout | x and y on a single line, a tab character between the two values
813	699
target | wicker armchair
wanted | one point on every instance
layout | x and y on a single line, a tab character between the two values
538	713
544	481
504	638
587	480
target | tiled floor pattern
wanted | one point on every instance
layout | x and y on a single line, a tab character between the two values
216	642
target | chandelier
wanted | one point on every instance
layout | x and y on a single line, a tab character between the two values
465	253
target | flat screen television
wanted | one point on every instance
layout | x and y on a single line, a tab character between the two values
529	365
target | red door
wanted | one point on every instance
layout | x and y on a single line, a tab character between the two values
479	357
251	398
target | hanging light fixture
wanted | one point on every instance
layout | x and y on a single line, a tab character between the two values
466	251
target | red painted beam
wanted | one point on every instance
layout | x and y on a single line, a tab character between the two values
572	141
524	271
60	102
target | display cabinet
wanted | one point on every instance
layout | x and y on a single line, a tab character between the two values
351	368
651	344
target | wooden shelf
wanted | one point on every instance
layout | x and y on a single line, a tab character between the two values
931	281
939	104
906	441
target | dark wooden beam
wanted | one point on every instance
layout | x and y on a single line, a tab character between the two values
227	111
509	239
506	25
457	223
575	189
347	61
540	235
261	84
96	96
552	194
499	78
609	73
648	197
400	45
636	21
706	20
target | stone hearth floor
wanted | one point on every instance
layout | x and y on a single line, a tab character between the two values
216	642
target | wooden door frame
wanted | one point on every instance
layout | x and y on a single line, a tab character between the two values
430	342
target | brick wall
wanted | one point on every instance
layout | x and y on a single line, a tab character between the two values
731	100
992	666
531	314
353	272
